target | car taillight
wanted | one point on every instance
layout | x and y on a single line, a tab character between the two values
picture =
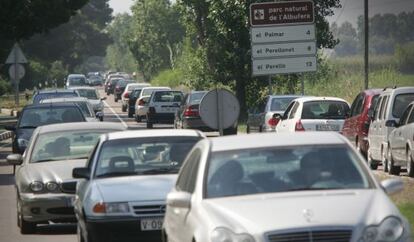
273	122
126	95
191	112
299	126
141	102
151	110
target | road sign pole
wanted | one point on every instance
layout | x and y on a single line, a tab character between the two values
219	112
302	86
16	81
270	84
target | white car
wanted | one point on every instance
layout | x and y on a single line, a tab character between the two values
82	103
122	196
401	142
93	97
141	106
307	186
162	107
390	107
127	92
76	80
314	114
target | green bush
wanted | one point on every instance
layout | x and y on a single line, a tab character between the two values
5	87
169	78
405	57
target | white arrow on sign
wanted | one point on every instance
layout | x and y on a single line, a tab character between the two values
16	56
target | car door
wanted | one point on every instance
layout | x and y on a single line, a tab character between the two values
350	128
373	138
180	229
398	136
288	119
383	130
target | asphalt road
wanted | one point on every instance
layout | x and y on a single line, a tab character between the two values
9	231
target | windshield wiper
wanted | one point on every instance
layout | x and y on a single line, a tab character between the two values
27	127
45	160
161	170
115	174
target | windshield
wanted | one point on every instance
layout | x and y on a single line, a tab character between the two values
195	98
35	117
77	81
401	102
280	104
148	92
143	156
324	110
88	93
168	96
65	145
39	97
273	170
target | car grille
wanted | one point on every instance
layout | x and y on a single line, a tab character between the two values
149	210
313	236
61	210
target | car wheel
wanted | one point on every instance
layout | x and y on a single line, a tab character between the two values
248	129
385	161
371	163
115	99
230	131
137	118
392	170
358	147
130	114
124	108
410	165
25	226
149	125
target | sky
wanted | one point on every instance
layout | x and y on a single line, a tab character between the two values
349	12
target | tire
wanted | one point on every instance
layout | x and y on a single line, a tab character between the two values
124	108
358	147
137	118
115	99
385	161
248	129
130	114
150	125
371	163
410	165
392	170
26	227
230	131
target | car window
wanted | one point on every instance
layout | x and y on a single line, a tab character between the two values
294	110
35	117
324	109
77	81
401	101
383	109
411	118
405	116
142	156
148	92
85	109
280	104
88	93
167	96
378	108
187	179
195	98
357	105
64	145
286	113
272	170
136	93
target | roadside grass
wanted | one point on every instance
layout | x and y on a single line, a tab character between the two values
242	128
408	210
7	101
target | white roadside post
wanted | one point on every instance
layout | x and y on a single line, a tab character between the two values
283	38
16	70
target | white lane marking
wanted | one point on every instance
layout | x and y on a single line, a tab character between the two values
113	111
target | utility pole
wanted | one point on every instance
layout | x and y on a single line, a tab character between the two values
366	40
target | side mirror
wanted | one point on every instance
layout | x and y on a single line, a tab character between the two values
391	124
15	159
179	199
392	186
81	172
10	128
69	186
103	98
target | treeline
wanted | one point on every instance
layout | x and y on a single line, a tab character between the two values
388	34
202	44
76	46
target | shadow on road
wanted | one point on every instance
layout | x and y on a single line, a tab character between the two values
6	179
56	229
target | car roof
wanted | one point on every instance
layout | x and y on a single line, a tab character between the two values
285	96
253	141
76	75
79	126
398	90
56	91
49	105
157	88
373	91
308	99
82	87
154	133
69	99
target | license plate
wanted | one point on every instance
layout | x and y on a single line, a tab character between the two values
327	127
151	224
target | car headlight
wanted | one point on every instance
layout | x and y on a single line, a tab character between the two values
36	186
226	235
109	208
22	142
390	229
52	186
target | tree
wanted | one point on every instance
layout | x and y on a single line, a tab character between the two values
156	34
347	35
222	32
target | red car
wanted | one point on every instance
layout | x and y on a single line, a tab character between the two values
356	126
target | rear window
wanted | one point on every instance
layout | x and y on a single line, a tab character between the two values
136	93
280	104
35	117
88	93
77	81
401	102
324	110
39	97
195	98
168	96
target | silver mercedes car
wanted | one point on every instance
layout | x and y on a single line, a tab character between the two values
125	183
52	153
278	188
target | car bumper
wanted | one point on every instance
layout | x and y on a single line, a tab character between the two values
161	118
120	229
47	207
196	123
141	111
